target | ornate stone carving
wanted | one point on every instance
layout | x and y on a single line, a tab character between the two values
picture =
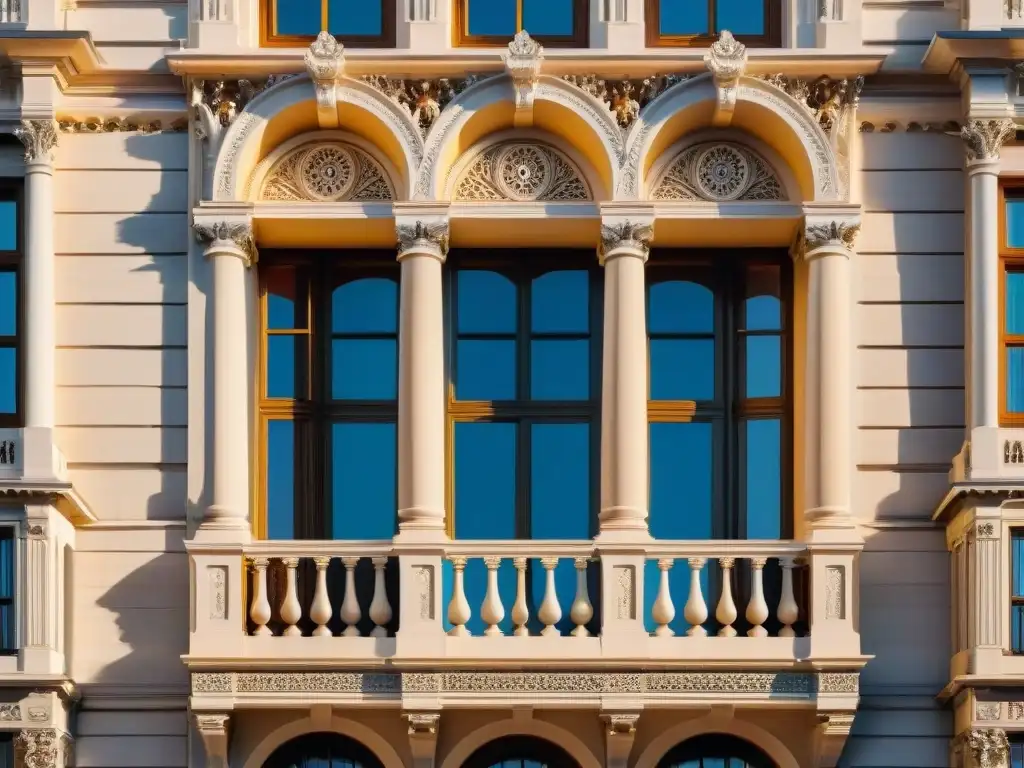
218	576
9	712
1013	452
214	234
986	710
425	99
211	682
824	98
423	577
626	234
420	236
835	593
621	724
325	63
120	125
522	63
41	748
717	172
326	172
420	723
985	531
240	132
625	98
521	172
988	747
950	126
37	531
984	138
726	59
1015	710
841	232
40	138
224	98
838	682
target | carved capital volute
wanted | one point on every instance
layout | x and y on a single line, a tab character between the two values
522	63
227	237
826	235
423	737
423	238
625	238
325	63
213	729
40	138
984	138
726	59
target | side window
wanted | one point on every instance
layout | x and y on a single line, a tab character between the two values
495	22
1011	322
11	331
356	23
683	23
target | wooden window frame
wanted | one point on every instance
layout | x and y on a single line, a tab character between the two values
522	268
1010	260
461	38
13	261
772	37
270	39
318	411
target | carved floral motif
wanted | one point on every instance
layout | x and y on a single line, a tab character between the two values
39	138
717	172
638	236
986	710
326	172
41	748
625	98
237	233
120	125
433	236
10	712
984	138
522	172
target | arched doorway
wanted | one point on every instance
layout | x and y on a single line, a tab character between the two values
520	752
715	750
322	750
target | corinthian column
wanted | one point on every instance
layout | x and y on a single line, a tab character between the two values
40	139
983	139
984	748
229	245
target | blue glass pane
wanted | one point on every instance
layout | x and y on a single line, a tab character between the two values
485	370
1015	223
364	369
762	309
280	479
560	369
7	565
369	305
491	17
354	17
741	17
764	478
1014	380
1016	754
1015	303
763	366
560	481
8	303
1017	556
8	225
560	302
286	309
283	379
298	17
363	480
681	480
548	17
684	17
677	306
8	380
1017	628
487	302
485	480
682	369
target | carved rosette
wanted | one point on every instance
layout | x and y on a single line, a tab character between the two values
625	239
717	172
984	138
40	138
326	172
423	238
521	172
230	238
522	63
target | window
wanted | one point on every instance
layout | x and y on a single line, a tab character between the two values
716	750
328	397
520	752
1011	364
8	565
1017	591
358	23
11	316
1016	750
755	23
495	22
322	750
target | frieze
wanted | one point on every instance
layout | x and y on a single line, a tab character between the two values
211	682
121	125
424	99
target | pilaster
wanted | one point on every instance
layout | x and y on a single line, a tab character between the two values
982	748
41	636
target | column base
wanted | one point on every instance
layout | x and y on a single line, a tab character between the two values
221	527
421	524
410	534
623	524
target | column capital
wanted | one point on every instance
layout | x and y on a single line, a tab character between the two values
825	234
40	137
226	237
423	238
213	729
44	748
984	138
987	747
625	238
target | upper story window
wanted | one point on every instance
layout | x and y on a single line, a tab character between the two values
1017	591
328	397
11	315
1011	327
494	22
755	23
358	23
8	618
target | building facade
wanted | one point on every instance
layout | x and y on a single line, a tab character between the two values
442	383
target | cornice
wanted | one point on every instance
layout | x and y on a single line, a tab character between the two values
949	51
961	493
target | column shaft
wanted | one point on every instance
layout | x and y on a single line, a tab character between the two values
984	295
40	337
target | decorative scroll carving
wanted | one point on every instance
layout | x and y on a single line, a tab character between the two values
39	138
628	235
726	59
522	63
43	748
625	98
425	99
835	592
325	63
423	237
218	575
423	723
522	172
984	138
621	724
224	98
824	98
423	577
624	598
327	172
236	235
717	172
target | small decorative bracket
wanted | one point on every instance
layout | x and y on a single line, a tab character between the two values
726	60
423	737
213	729
833	731
522	63
325	63
620	731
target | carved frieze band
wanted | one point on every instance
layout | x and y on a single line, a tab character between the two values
627	235
43	748
984	138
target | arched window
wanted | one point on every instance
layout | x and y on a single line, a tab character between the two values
716	750
322	750
520	752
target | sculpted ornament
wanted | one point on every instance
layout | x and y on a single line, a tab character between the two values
39	138
522	172
989	747
625	98
522	63
325	63
425	99
984	138
726	59
41	748
215	235
841	232
326	172
419	236
626	235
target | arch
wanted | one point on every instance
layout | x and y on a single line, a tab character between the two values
668	739
289	108
527	750
762	110
369	738
316	748
560	109
569	742
715	748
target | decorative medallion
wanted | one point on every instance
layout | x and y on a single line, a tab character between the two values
718	172
521	172
326	172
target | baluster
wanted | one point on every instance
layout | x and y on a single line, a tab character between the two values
521	609
582	611
259	612
696	610
380	608
350	612
320	608
789	612
663	610
291	611
550	612
491	610
458	608
726	611
757	608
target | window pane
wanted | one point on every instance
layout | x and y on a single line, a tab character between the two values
369	305
485	480
1014	302
280	479
762	310
1014	380
677	306
8	225
298	17
741	17
364	369
7	564
485	370
487	301
1017	555
560	302
763	501
286	306
1017	628
560	370
491	17
560	481
284	378
684	17
354	18
682	369
548	17
681	480
8	380
763	366
363	481
8	303
1015	223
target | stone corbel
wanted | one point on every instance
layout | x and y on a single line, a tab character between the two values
620	731
983	748
726	59
423	737
213	729
325	63
833	731
522	63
